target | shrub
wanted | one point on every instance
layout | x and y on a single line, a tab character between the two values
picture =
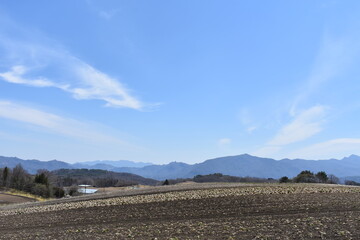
305	177
284	179
42	179
58	192
73	191
41	190
322	177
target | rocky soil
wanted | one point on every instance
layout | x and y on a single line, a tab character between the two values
200	211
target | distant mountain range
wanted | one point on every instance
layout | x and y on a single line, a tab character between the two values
33	165
241	165
247	165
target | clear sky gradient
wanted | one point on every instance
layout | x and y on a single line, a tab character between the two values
161	81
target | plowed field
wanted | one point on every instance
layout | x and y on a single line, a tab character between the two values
201	211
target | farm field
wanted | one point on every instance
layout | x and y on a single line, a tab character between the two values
193	211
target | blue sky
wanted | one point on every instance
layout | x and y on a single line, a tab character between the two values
161	81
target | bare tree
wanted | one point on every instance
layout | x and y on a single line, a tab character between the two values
19	177
333	179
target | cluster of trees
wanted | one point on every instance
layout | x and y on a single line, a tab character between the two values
310	177
219	177
93	181
39	184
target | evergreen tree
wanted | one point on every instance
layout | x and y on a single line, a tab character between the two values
284	179
5	176
322	177
42	179
166	182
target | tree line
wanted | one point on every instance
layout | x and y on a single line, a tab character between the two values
219	177
307	176
303	177
18	178
65	181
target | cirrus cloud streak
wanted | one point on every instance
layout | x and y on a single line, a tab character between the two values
36	61
53	123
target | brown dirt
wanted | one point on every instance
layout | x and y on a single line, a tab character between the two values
242	212
10	199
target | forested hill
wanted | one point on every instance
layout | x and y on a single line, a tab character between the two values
96	174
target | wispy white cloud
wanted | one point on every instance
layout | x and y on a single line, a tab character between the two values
246	121
266	151
53	123
224	141
98	85
244	116
42	63
15	75
335	148
105	14
333	57
108	14
93	85
251	129
303	126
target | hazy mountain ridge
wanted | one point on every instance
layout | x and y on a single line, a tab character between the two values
247	165
240	165
33	165
160	172
118	163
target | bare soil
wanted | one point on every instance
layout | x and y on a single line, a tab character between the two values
292	211
10	199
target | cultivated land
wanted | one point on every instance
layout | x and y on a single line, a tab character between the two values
193	211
